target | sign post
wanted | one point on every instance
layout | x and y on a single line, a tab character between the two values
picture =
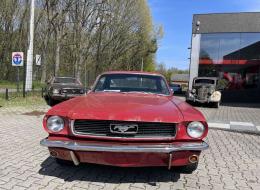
17	61
38	60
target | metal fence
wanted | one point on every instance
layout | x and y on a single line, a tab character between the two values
9	94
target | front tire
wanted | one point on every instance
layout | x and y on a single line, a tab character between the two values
188	169
188	102
63	162
51	102
216	104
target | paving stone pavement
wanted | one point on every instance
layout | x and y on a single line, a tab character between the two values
231	162
232	113
231	116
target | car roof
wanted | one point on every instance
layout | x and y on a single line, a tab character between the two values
133	72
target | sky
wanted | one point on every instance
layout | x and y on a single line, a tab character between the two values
176	18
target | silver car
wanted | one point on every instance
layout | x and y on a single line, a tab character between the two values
204	90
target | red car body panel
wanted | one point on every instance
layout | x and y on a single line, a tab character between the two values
124	107
127	107
128	159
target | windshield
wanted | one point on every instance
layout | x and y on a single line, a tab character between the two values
132	83
204	81
66	80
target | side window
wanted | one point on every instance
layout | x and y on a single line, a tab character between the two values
100	84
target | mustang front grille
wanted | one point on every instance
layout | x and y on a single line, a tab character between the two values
123	128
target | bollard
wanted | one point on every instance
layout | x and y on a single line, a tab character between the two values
42	92
24	93
6	94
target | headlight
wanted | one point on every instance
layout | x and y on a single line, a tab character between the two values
193	91
195	129
216	94
55	123
56	91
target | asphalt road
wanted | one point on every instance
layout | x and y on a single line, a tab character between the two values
231	162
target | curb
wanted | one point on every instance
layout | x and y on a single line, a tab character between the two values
234	126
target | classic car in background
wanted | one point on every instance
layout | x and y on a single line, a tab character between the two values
204	90
62	88
176	88
128	119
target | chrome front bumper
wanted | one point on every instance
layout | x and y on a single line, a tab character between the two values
76	146
65	96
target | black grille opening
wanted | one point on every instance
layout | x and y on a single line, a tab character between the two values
72	91
145	129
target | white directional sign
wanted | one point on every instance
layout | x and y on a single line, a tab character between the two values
38	60
17	59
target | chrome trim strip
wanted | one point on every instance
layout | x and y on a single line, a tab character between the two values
77	146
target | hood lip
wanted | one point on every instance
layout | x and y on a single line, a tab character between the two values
130	93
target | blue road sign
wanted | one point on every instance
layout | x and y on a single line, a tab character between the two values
17	58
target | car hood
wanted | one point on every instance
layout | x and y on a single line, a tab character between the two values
63	85
120	106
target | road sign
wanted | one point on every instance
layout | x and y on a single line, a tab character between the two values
38	60
17	59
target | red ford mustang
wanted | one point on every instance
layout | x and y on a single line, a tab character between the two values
128	119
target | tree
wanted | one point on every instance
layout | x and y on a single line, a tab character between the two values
76	37
168	73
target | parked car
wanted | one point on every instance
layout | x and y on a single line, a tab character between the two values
204	90
176	88
62	88
128	119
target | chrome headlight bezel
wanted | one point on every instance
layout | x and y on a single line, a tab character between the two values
195	129
193	91
64	90
55	124
55	91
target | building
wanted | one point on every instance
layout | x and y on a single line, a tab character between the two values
227	46
182	79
